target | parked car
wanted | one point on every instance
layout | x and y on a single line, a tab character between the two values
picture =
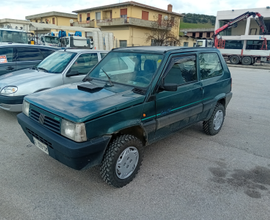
61	67
20	56
116	111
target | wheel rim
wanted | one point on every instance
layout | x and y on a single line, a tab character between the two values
234	59
218	119
127	162
246	60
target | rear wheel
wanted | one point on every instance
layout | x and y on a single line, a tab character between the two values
246	60
214	124
122	161
234	59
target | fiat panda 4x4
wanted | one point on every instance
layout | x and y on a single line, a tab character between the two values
132	98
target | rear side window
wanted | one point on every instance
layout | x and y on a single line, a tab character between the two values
182	71
7	54
46	52
210	65
28	54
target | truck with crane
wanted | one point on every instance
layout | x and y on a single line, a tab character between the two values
245	49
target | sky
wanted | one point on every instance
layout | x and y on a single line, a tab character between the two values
18	9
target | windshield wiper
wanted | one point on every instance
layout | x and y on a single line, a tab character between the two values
35	68
40	68
87	79
111	84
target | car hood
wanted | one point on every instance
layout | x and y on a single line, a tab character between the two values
76	105
22	76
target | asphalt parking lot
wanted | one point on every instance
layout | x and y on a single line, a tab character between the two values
188	175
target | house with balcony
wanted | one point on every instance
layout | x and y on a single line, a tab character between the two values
14	24
189	37
128	21
53	17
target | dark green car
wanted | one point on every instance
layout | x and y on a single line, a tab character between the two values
132	98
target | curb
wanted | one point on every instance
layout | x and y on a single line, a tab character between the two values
266	67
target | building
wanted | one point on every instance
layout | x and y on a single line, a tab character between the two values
189	37
54	17
129	21
14	24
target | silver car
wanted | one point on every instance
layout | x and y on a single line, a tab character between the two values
61	67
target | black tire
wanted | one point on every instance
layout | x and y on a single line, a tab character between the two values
246	60
234	59
214	124
128	151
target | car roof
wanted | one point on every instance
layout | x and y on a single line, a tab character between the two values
161	49
84	50
29	45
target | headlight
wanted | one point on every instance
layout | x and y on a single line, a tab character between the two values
9	90
73	131
25	108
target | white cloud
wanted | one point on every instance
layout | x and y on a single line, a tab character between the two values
18	9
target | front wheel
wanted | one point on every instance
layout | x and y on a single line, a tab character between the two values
122	160
214	124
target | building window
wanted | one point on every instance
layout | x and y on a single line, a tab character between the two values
123	43
98	16
145	15
87	17
53	20
185	44
159	19
80	17
123	13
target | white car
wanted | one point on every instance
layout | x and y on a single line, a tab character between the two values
61	67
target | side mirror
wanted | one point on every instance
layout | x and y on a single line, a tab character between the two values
169	87
72	73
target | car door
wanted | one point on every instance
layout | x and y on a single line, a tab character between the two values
180	108
28	57
7	62
80	67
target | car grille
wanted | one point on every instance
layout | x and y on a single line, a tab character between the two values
47	143
45	120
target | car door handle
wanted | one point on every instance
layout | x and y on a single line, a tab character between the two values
10	68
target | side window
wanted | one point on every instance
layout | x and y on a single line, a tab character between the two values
46	52
183	71
210	65
84	63
6	54
28	54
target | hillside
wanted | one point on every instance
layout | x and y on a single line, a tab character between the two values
197	21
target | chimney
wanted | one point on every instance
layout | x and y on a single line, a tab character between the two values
169	8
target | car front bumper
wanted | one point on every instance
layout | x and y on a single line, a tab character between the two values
72	154
11	103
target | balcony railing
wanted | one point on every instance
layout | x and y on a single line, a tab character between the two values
125	21
85	24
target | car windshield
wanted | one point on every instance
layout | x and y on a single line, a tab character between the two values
13	36
136	69
56	62
51	40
